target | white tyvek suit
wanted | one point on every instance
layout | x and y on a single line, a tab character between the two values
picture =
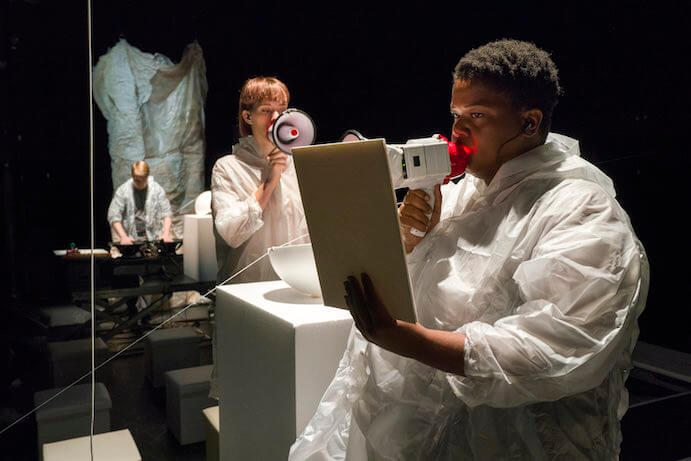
122	209
542	272
243	232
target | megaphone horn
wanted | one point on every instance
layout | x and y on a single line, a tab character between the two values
352	135
293	128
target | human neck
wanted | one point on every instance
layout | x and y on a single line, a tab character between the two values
265	146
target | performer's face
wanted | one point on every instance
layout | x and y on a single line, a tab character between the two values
262	116
483	120
139	181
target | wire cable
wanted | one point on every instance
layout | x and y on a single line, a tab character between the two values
91	231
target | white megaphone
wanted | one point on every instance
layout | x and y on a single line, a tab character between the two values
293	128
421	163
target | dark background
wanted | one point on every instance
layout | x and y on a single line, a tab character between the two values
382	69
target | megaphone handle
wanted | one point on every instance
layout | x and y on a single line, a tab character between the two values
430	193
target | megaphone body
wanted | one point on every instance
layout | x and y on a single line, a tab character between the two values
422	163
292	128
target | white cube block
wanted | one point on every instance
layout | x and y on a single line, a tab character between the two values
277	352
199	259
187	394
110	446
61	316
213	424
69	414
71	360
168	349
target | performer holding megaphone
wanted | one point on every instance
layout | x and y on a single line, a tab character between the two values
255	196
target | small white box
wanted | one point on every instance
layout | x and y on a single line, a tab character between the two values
71	360
168	349
110	446
213	424
187	394
69	414
277	352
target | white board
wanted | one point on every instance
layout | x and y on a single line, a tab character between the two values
351	213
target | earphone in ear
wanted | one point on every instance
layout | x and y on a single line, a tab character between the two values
528	126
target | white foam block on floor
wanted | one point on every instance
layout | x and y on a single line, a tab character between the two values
60	316
109	446
212	417
213	424
277	350
199	247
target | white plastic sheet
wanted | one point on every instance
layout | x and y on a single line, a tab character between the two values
155	112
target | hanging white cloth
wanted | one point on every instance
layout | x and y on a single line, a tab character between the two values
155	112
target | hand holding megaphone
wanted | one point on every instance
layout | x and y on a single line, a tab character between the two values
292	128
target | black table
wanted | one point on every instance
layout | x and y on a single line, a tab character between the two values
161	282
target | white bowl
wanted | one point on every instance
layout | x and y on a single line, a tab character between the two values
202	204
295	265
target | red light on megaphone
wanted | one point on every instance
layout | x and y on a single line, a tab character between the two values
458	155
287	133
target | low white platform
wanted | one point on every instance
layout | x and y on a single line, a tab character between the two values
109	446
277	351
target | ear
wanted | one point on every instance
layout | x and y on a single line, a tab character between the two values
533	121
247	117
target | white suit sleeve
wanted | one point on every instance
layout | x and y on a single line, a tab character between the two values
236	218
577	310
116	209
164	204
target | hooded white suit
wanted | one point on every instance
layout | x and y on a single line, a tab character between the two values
243	231
542	271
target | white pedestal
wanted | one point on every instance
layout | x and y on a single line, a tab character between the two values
200	247
277	350
110	446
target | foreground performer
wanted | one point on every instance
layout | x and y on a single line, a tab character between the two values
140	209
255	196
528	287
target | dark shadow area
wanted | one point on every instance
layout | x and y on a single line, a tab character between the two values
382	68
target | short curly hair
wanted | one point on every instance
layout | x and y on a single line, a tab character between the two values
521	70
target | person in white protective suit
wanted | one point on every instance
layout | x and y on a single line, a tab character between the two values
255	196
528	286
140	209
